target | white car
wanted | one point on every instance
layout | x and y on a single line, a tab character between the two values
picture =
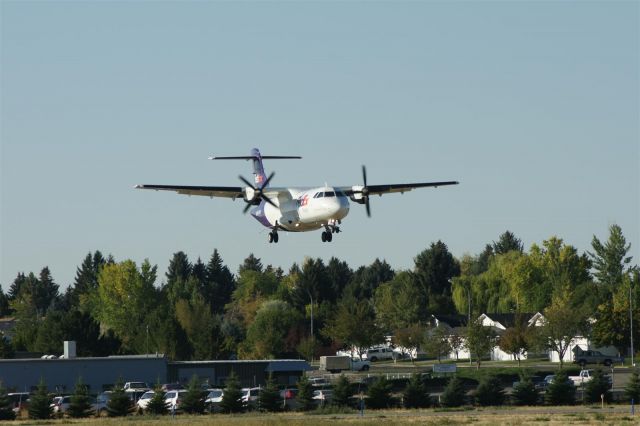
250	396
322	397
172	398
136	387
213	399
378	353
144	399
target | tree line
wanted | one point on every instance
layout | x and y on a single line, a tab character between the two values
205	311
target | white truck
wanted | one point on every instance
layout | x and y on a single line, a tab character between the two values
335	364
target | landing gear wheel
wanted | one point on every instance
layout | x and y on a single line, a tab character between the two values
270	237
324	237
329	237
275	237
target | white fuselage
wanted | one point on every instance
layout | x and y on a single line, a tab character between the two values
302	210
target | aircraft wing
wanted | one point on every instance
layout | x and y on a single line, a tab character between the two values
394	187
206	191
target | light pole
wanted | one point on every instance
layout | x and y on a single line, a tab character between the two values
631	321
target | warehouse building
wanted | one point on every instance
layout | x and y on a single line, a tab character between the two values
61	374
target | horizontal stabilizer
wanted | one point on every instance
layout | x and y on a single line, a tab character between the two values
264	157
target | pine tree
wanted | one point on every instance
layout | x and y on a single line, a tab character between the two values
632	390
269	398
220	283
40	405
454	394
525	392
157	405
342	392
490	391
6	405
415	394
598	385
6	350
80	405
119	404
193	400
232	396
379	393
561	391
305	394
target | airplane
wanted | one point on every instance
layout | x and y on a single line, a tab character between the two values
294	209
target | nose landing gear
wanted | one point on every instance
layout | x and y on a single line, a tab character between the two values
273	237
327	234
326	237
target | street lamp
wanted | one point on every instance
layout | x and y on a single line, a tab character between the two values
631	321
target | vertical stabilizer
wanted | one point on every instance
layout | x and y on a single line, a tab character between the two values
258	169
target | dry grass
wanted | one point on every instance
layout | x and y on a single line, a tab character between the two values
520	416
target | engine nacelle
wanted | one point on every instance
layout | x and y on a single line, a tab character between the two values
250	195
357	196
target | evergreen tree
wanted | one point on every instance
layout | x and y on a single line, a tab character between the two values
632	390
342	392
598	385
490	391
6	405
80	405
45	292
119	404
4	304
561	390
6	350
40	404
305	394
434	269
251	263
220	283
17	286
379	393
507	242
157	405
232	396
415	395
525	392
269	398
454	394
193	400
610	259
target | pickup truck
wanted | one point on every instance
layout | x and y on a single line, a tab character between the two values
585	377
583	357
335	364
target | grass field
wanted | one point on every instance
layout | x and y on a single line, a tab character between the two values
612	415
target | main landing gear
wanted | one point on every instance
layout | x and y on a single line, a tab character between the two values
273	237
327	235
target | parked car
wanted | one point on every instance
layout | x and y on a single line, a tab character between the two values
172	386
144	400
583	357
319	381
322	396
61	404
19	400
136	387
213	399
172	398
250	396
101	403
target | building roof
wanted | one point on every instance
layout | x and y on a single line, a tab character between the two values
452	320
509	319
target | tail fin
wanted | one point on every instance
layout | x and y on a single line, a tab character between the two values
258	168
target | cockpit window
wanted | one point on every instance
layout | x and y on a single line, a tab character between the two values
318	195
340	193
329	194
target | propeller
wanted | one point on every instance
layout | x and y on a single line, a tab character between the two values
258	192
365	191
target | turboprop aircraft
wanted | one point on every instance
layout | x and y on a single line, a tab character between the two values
294	209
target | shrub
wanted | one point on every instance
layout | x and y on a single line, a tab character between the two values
269	398
490	392
598	385
561	391
157	405
80	405
415	394
342	392
632	390
454	393
6	405
232	396
305	395
119	404
40	405
193	400
525	392
379	394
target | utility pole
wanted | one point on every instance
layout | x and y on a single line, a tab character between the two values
631	321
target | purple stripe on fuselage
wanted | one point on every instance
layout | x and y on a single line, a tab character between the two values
259	215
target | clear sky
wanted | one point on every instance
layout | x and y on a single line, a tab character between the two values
532	106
